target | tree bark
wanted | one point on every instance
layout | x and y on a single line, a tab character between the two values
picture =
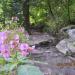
69	21
26	23
50	9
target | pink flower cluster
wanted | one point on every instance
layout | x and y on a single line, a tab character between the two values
14	44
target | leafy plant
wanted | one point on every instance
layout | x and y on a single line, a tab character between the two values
14	52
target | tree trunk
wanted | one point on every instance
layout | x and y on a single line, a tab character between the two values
69	21
26	22
50	9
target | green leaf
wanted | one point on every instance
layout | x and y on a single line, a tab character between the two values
10	60
21	59
28	70
13	66
2	61
9	67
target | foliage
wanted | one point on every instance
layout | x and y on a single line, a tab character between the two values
55	13
14	51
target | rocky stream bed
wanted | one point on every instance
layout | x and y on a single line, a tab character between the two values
54	61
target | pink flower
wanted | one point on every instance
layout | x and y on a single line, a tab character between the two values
3	36
1	42
24	49
24	53
24	46
21	29
16	37
5	51
6	55
13	44
31	48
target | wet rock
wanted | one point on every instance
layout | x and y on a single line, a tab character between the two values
42	39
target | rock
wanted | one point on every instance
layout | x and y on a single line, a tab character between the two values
36	39
62	46
64	29
71	33
67	45
63	32
71	46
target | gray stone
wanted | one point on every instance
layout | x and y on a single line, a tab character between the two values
67	44
36	39
71	33
71	46
62	46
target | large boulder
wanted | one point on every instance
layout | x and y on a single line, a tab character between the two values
68	44
62	46
63	32
71	33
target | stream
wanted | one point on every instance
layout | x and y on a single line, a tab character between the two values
57	63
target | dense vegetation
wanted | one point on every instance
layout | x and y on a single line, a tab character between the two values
54	14
19	51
